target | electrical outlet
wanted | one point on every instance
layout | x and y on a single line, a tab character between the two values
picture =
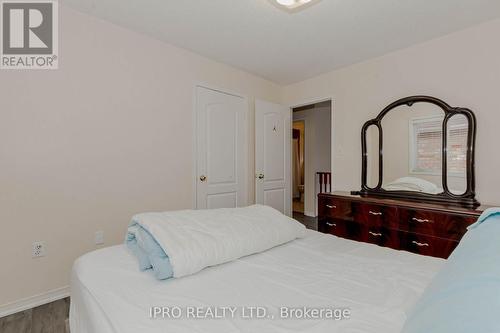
99	237
38	249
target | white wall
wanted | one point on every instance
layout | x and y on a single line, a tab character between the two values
462	68
107	135
317	151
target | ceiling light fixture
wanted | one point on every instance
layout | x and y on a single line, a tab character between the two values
293	5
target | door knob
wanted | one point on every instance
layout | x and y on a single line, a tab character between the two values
260	176
203	178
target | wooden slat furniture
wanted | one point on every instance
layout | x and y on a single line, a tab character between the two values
325	181
424	228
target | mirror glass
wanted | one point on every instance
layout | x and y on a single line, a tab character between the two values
457	130
413	141
372	149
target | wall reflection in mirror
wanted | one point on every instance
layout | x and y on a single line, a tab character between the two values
373	153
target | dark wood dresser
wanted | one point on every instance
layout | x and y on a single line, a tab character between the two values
423	228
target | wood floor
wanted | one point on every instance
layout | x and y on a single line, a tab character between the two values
309	222
298	206
48	318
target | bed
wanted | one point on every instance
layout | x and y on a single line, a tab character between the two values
377	285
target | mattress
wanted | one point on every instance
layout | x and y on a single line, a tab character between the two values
273	291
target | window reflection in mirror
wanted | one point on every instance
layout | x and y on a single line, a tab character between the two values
413	148
457	130
426	140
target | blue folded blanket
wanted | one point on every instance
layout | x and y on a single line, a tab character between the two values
148	252
484	216
464	297
180	243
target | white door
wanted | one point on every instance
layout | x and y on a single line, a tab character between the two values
220	177
272	156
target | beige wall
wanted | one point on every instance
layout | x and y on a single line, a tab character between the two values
110	133
462	68
84	147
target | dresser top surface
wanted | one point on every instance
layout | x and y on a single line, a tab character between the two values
407	203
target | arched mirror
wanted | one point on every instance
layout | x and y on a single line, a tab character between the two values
413	147
420	148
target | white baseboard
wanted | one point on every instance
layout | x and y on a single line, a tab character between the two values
33	301
309	214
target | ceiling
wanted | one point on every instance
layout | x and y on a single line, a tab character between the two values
257	37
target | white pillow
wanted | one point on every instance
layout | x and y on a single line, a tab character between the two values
412	184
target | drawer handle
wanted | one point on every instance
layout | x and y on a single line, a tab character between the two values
331	206
421	220
375	234
420	244
331	224
375	213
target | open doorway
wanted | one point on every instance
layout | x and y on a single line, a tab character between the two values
311	159
298	171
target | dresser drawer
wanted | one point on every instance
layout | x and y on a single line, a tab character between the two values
428	229
340	228
333	227
380	236
336	208
427	245
434	223
377	216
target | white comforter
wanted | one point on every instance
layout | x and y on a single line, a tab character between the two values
195	239
377	284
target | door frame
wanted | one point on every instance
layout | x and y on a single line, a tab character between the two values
304	102
194	137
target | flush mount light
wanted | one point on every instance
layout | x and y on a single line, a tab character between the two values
293	5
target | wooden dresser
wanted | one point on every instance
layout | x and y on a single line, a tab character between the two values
423	228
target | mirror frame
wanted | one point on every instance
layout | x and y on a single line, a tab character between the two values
468	198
